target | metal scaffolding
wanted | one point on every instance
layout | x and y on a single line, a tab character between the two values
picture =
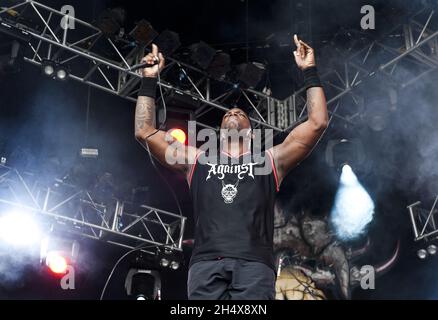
423	221
400	60
63	207
96	60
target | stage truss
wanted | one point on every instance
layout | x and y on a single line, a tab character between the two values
98	61
408	52
423	221
61	208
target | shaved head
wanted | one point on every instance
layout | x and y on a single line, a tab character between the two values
236	119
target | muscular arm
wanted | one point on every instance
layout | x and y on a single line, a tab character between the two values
144	115
157	141
147	135
301	141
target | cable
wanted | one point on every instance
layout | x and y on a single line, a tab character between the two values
115	266
164	109
146	146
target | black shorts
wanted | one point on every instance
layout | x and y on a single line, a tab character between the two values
231	279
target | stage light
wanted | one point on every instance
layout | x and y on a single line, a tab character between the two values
57	254
179	135
422	254
56	262
164	262
61	73
143	284
377	120
48	68
220	65
379	108
431	249
170	259
55	70
341	151
89	153
144	33
250	74
19	229
111	21
353	209
168	42
202	54
174	265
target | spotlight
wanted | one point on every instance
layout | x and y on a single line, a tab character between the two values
58	254
19	229
174	265
422	254
111	21
220	65
144	33
179	135
143	284
56	262
61	73
89	153
378	120
250	74
48	68
164	262
378	110
170	259
342	151
202	54
55	70
168	42
431	249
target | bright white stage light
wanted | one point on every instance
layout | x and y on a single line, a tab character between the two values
431	249
353	209
422	254
19	229
174	265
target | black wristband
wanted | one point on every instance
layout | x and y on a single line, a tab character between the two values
148	87
311	78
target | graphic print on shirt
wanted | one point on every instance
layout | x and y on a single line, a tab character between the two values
230	191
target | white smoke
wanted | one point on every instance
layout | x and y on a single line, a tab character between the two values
353	209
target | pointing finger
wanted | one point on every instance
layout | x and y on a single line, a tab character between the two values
297	42
155	50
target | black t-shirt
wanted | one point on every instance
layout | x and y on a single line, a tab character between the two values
234	207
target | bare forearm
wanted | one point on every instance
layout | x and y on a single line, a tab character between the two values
317	107
144	116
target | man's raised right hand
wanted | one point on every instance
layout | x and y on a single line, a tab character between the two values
151	58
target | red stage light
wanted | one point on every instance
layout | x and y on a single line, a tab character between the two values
179	135
57	263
